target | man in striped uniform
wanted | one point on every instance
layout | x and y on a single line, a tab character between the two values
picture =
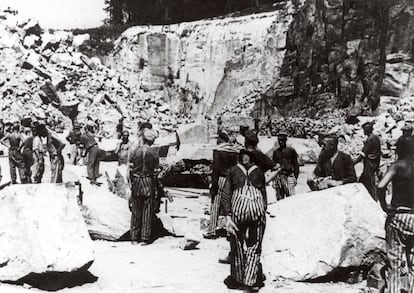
245	203
143	164
399	227
287	158
224	157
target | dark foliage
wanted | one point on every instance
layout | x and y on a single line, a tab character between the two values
173	11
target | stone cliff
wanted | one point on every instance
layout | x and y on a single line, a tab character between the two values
336	54
210	62
302	57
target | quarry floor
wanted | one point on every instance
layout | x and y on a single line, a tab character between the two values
164	267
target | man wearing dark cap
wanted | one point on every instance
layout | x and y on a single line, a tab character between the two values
260	159
334	167
407	132
287	158
141	129
399	226
371	156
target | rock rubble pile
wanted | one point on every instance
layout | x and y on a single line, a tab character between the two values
43	74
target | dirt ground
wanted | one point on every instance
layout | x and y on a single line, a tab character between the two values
163	266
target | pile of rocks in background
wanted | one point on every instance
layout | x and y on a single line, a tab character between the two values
43	74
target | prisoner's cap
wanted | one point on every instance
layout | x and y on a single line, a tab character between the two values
331	140
251	137
145	125
282	134
245	152
149	135
407	127
368	124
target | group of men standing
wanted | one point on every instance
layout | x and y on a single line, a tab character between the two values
238	191
28	145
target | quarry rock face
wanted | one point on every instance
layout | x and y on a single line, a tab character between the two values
311	235
335	55
42	231
213	62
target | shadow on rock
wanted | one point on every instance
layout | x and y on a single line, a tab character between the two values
54	281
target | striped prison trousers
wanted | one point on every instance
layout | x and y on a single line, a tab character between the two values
399	230
215	207
284	186
142	195
246	247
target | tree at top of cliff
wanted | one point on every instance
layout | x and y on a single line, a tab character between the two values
173	11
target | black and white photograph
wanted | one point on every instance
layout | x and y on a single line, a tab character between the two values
207	146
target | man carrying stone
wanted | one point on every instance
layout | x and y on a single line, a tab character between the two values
15	158
143	164
399	227
287	158
123	148
334	167
371	156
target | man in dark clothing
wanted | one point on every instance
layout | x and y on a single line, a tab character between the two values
27	153
224	157
399	227
74	138
334	168
371	156
268	125
120	127
57	162
259	158
90	148
407	132
15	158
287	158
256	124
245	204
143	165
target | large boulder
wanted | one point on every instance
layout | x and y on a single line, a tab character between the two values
311	235
42	231
107	215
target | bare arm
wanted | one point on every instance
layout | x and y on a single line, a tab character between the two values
392	171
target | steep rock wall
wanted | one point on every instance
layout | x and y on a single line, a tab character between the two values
335	56
211	62
307	57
